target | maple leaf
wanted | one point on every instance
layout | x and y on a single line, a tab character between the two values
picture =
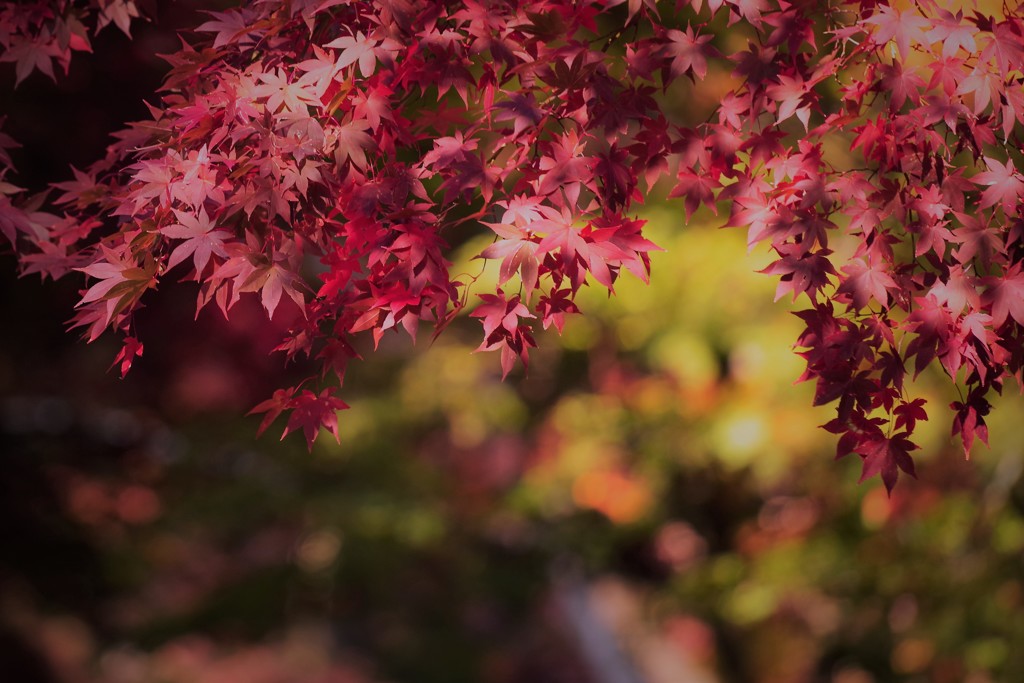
865	281
933	323
118	12
374	105
555	306
122	282
801	273
111	271
953	32
201	239
154	179
969	421
502	329
448	151
132	347
617	178
272	280
521	110
697	189
1005	296
1005	45
794	97
273	407
232	26
518	252
1005	185
320	72
902	27
358	48
687	52
312	412
977	240
352	142
902	84
30	54
565	240
908	413
980	84
82	191
958	291
630	248
887	456
566	168
280	90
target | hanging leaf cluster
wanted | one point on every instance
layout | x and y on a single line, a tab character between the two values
323	154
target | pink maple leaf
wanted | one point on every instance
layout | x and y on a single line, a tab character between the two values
232	26
898	26
687	52
201	239
1005	185
1005	296
866	281
312	412
358	48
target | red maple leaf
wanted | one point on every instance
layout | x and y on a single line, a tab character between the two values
902	27
132	347
866	281
1005	296
502	329
801	273
312	412
687	52
887	456
518	254
969	421
1005	185
697	189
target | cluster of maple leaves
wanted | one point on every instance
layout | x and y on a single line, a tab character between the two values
321	151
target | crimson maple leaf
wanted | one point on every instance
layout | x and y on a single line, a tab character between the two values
697	189
273	407
801	272
908	413
132	347
502	329
312	412
969	421
887	456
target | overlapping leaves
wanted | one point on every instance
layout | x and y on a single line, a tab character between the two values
360	134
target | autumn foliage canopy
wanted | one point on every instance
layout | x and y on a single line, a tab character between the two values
325	155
